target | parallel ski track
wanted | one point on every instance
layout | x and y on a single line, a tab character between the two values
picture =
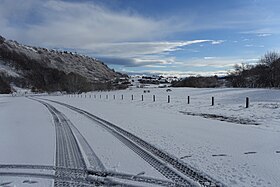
149	153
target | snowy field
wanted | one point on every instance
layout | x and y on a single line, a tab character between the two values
27	136
236	145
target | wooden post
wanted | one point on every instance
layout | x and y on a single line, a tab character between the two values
106	96
94	96
188	99
114	97
168	99
122	97
142	97
247	102
212	101
132	97
154	98
100	96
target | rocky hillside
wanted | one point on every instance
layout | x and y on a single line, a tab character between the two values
50	70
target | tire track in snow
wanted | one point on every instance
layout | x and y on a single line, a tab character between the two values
180	171
72	166
68	152
94	177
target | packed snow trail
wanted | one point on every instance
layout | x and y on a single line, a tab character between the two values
174	169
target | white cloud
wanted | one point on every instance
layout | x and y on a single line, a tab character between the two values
89	27
132	49
251	45
69	24
264	34
216	42
182	73
217	62
209	57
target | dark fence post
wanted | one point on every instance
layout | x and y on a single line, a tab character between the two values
122	97
106	96
100	96
131	97
142	97
154	98
168	99
212	101
114	97
247	102
188	99
94	96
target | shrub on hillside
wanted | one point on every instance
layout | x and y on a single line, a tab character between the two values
5	88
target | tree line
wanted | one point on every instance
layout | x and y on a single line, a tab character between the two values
264	74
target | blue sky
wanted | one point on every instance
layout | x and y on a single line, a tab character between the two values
171	37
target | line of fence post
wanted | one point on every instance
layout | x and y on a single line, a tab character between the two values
247	102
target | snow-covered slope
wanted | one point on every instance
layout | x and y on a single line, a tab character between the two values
24	64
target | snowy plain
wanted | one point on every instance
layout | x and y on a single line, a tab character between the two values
236	154
27	137
233	153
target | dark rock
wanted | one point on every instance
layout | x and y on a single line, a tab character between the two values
2	39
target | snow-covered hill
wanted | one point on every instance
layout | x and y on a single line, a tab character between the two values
47	69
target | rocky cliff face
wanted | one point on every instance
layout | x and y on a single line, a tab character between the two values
51	70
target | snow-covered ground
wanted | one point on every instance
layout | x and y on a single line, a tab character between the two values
27	137
236	154
113	154
233	153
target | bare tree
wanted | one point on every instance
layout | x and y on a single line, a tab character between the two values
269	58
